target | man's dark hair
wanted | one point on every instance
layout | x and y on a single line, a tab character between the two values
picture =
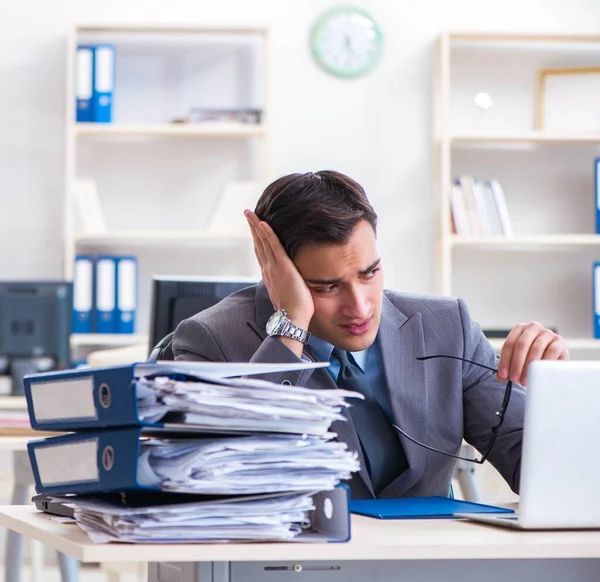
322	207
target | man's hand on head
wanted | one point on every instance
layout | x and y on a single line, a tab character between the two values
526	343
286	287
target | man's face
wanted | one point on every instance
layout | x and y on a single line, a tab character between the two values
346	283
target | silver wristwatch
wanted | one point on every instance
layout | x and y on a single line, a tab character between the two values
280	325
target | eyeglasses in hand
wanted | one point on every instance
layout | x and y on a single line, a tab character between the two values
495	429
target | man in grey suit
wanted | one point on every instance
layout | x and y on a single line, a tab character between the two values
322	298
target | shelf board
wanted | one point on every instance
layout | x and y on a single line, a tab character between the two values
572	343
510	37
525	241
525	137
107	339
204	130
132	28
159	237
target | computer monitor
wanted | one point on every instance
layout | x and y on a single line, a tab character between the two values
35	328
177	298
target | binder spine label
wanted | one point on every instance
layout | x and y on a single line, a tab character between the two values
67	463
63	399
91	462
596	299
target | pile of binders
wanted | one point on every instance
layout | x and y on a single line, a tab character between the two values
192	452
105	294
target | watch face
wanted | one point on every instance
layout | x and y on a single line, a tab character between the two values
346	42
275	322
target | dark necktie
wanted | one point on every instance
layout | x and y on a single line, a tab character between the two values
380	444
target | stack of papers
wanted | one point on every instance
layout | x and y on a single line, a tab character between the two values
255	459
275	518
245	405
245	465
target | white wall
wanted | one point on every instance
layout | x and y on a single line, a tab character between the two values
377	129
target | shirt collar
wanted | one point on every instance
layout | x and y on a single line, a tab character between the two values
323	349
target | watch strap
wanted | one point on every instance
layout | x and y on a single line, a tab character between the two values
293	331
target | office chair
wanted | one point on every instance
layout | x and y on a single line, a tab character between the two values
162	350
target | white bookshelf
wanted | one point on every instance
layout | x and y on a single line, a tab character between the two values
159	177
531	137
544	271
180	29
170	130
107	339
525	242
156	238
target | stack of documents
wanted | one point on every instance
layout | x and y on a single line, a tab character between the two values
263	448
261	519
189	396
129	459
239	405
319	517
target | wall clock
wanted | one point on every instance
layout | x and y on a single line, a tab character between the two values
346	42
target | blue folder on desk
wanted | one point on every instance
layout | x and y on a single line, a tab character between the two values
419	508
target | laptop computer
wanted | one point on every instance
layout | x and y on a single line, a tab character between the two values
560	465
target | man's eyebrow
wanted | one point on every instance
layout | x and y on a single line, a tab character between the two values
339	279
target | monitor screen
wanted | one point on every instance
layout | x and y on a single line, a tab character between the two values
35	327
177	298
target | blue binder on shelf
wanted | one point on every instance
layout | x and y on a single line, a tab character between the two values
104	83
93	398
596	299
420	508
105	311
126	300
84	83
83	294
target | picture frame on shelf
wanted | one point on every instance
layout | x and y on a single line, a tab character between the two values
567	98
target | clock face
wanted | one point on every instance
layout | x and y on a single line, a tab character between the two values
346	42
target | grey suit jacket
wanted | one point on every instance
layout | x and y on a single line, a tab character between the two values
438	402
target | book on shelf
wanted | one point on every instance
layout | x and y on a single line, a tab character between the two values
478	207
502	207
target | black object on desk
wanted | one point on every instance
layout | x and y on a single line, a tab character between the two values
35	328
53	506
175	299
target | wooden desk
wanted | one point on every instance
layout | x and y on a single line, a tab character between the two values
13	403
15	439
420	549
